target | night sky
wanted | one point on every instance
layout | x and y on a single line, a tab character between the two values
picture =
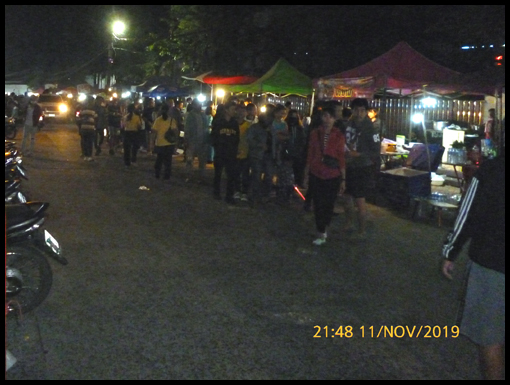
55	38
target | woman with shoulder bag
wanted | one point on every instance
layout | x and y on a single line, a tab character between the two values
163	143
326	162
133	124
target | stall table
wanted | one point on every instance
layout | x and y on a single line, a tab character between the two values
440	206
387	156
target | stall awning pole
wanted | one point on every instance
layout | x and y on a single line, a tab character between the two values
410	120
383	113
312	103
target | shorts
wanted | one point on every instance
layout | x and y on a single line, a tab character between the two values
357	181
483	316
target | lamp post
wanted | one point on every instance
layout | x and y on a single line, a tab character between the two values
117	29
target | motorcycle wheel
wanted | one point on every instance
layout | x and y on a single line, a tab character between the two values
10	132
28	279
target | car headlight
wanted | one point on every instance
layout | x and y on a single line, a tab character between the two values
62	108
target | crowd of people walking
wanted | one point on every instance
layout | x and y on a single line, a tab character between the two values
264	156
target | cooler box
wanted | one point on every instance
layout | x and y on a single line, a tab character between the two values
402	184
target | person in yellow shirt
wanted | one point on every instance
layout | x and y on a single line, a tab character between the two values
133	125
164	149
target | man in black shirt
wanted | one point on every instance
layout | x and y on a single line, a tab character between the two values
482	219
225	140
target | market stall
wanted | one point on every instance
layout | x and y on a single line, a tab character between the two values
401	83
282	79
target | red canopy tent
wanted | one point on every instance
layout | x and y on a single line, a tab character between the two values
213	79
402	70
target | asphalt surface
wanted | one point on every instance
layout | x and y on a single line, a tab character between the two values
168	283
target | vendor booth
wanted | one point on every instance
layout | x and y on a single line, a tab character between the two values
282	81
401	83
161	86
431	105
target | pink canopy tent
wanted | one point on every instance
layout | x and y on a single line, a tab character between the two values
402	70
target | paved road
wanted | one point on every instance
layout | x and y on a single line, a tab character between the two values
171	284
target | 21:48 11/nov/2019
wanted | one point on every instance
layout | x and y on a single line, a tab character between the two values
388	332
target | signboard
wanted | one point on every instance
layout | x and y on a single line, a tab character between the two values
346	88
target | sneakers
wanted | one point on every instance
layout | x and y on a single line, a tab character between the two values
244	198
237	196
321	240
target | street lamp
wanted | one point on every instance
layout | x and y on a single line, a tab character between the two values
117	29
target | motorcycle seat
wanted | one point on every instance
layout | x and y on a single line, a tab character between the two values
23	215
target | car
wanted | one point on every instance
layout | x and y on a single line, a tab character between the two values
53	107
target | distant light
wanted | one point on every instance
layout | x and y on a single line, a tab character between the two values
201	98
220	94
82	97
140	100
466	47
115	95
158	97
126	95
70	96
429	102
263	109
418	118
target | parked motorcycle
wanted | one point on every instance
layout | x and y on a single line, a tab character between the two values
13	163
28	273
14	173
13	193
11	129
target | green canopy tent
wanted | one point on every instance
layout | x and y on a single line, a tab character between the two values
282	79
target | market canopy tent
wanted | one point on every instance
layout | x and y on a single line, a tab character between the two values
402	70
212	78
162	86
282	78
168	91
